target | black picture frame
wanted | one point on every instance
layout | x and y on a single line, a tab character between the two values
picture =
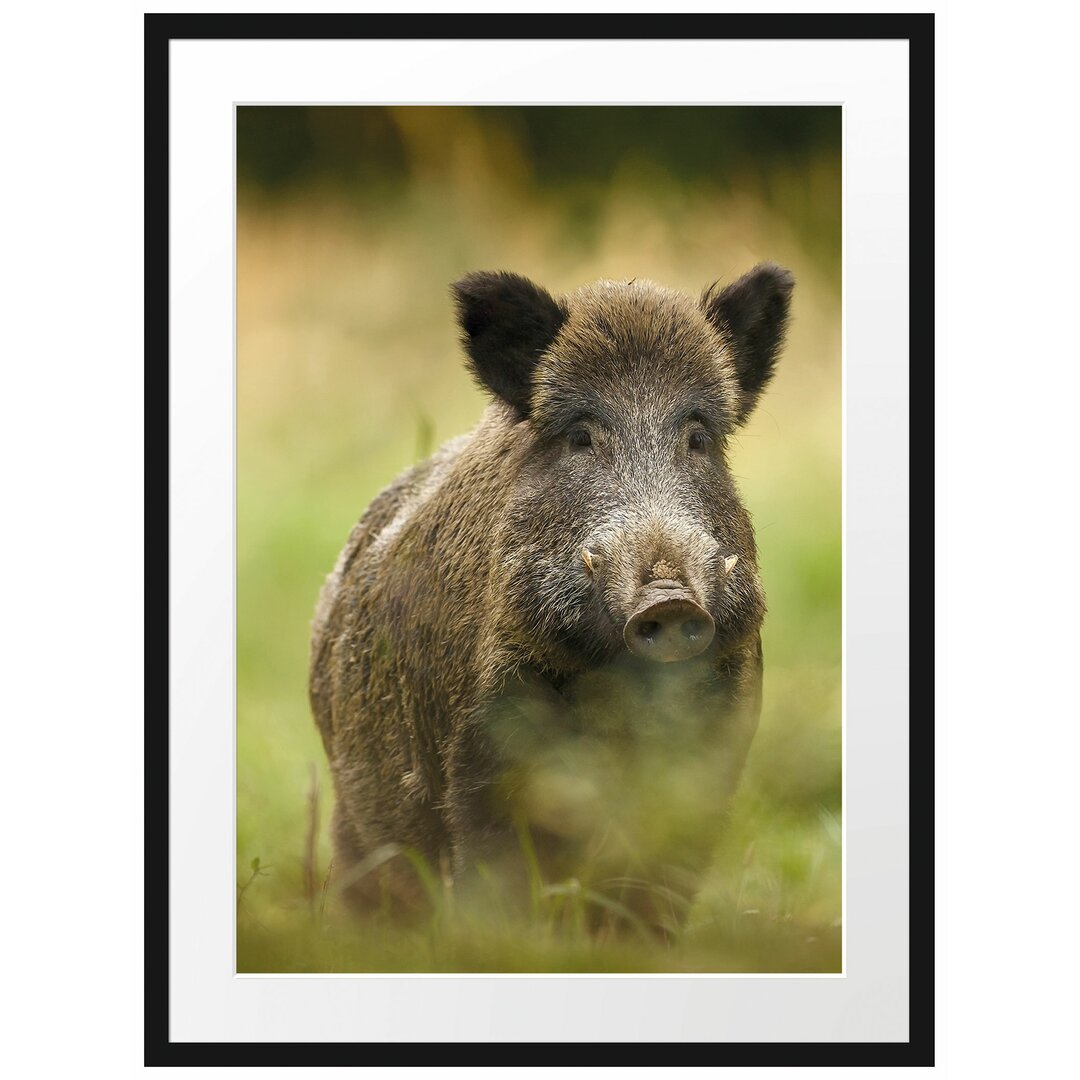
918	31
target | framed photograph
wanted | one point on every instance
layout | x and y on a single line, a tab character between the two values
540	492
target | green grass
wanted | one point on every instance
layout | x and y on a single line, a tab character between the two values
348	372
767	906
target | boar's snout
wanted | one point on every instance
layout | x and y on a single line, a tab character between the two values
668	624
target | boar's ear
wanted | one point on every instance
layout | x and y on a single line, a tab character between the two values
752	315
506	323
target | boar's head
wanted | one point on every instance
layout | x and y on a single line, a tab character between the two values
624	528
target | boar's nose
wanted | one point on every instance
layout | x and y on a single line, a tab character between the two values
668	625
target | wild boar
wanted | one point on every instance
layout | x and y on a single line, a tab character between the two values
553	623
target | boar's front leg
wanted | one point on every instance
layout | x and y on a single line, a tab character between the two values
737	688
490	759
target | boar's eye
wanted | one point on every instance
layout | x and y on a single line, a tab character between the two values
579	438
699	440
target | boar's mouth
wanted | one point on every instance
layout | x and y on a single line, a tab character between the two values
668	624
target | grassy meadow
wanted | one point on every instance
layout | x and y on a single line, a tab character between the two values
349	370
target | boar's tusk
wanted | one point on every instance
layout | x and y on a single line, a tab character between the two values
587	558
729	563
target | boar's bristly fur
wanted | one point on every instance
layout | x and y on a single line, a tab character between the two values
482	652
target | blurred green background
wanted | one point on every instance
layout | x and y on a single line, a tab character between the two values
351	223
